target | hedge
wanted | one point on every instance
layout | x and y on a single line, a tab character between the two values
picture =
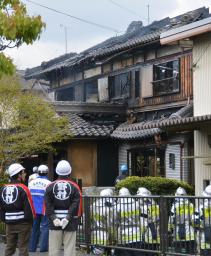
157	185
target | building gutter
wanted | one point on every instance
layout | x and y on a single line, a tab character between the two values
186	31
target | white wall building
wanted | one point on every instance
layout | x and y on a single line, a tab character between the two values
199	34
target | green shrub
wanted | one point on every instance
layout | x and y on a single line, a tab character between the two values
157	185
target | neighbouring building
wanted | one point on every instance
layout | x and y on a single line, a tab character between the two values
199	34
126	99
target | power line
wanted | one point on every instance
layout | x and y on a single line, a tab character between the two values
125	8
74	17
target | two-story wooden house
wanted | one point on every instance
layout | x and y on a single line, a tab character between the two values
136	84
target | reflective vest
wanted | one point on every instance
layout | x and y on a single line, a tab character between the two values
37	188
181	220
127	221
205	224
102	217
152	228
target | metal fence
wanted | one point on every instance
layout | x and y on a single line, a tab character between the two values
147	226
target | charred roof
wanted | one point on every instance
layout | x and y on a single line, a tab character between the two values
135	35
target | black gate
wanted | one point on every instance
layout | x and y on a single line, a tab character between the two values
152	225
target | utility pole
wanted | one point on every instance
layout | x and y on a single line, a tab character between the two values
65	34
148	13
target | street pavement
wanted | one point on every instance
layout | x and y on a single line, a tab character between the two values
2	246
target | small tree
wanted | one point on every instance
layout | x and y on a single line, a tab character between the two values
16	28
28	124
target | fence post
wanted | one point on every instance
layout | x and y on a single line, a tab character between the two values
163	225
87	222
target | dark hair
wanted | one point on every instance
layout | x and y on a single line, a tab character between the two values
42	174
15	177
64	177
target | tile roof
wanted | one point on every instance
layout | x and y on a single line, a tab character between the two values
136	35
81	128
177	121
150	128
122	132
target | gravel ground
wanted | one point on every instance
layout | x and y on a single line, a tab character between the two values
79	252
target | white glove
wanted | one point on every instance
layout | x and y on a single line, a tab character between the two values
64	223
57	223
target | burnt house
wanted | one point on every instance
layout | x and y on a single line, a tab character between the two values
118	93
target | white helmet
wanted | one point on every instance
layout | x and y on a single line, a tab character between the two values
106	192
208	190
143	192
124	192
15	169
43	169
180	192
204	194
35	168
63	168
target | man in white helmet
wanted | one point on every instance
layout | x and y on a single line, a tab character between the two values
17	211
148	221
40	229
181	223
102	216
34	175
205	222
63	200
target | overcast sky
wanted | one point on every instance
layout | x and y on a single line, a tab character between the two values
116	14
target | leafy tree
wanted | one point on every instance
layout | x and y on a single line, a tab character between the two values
16	28
28	124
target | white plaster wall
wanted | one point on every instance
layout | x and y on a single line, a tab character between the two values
202	106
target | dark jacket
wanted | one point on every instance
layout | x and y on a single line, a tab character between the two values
63	199
16	204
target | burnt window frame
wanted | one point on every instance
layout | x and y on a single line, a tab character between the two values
59	91
112	86
93	82
137	83
168	80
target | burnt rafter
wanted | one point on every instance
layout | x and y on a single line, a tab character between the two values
96	108
138	130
